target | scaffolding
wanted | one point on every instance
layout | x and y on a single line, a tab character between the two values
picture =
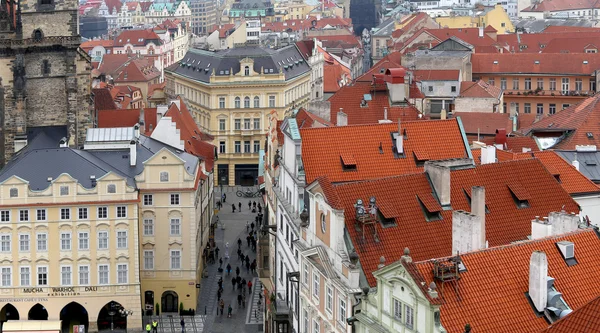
448	271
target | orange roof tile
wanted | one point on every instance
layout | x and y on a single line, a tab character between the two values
583	320
505	223
349	98
90	44
321	148
560	5
436	75
137	70
515	143
484	123
498	278
522	63
479	89
127	118
572	45
280	136
137	38
306	119
468	35
332	75
537	42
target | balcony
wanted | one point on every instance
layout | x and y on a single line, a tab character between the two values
547	93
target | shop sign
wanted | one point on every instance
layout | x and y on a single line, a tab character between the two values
60	291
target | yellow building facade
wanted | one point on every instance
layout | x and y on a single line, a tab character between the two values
70	253
497	18
232	93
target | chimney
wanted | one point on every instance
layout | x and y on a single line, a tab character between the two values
160	112
500	137
443	114
480	32
478	208
540	228
132	153
385	115
142	121
538	284
400	139
396	80
488	155
563	222
136	130
63	143
342	118
575	162
440	178
466	232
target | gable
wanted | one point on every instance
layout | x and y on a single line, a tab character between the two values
450	45
164	157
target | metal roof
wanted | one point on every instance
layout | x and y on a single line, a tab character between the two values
293	129
589	162
110	134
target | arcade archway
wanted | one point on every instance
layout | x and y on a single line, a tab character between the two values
37	312
9	312
73	314
111	318
169	301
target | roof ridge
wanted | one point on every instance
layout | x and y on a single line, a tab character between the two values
379	124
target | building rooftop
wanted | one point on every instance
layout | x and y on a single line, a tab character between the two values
436	75
322	149
498	278
392	60
306	119
536	63
538	42
560	5
479	89
585	319
200	65
483	123
553	24
137	38
589	162
127	118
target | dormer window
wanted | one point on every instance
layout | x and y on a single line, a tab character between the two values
164	176
64	190
14	192
519	195
348	162
430	206
111	188
247	70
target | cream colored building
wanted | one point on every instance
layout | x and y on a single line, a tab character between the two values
231	94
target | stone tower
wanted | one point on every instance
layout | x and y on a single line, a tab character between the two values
45	76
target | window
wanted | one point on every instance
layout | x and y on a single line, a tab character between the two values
515	84
397	310
246	124
578	84
148	227
552	109
82	213
329	299
256	146
552	84
342	312
317	328
102	240
238	147
24	242
24	215
41	214
46	67
256	123
593	85
246	70
175	259
5	243
222	124
103	274
65	241
84	275
540	108
237	124
148	259
42	242
271	101
527	107
565	85
237	102
148	200
516	107
6	276
64	190
528	83
42	276
122	273
540	83
65	275
25	275
221	102
305	278
14	192
247	102
409	316
256	102
564	106
65	213
316	282
174	199
430	89
246	146
306	323
111	188
121	239
121	211
222	147
5	215
84	240
102	212
164	176
175	227
492	81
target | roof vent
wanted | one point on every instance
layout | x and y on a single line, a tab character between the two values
567	249
590	135
49	179
585	62
537	62
495	62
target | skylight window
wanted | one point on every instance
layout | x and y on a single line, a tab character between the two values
590	135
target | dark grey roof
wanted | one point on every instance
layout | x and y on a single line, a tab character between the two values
533	26
199	64
385	28
36	165
589	162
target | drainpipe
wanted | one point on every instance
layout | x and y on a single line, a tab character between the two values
354	307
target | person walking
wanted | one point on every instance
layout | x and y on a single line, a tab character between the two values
239	241
228	269
237	271
224	197
233	208
240	206
219	295
254	204
148	328
217	251
220	282
182	325
244	301
247	226
222	306
252	226
253	266
154	326
249	287
220	262
249	205
248	261
259	206
229	310
239	300
233	282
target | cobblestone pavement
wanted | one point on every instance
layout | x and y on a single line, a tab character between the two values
243	319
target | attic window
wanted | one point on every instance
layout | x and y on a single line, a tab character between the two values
519	195
495	62
348	162
421	157
591	163
537	62
590	135
14	192
585	62
567	252
430	206
468	196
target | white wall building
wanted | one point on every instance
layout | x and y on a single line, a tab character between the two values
253	29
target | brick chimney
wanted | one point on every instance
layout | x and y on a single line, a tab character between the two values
501	137
538	284
467	232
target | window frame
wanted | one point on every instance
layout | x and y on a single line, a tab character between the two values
85	214
46	272
70	239
62	275
5	215
41	211
23	215
146	267
100	273
101	239
26	241
44	241
171	257
164	176
121	271
85	239
121	212
28	283
329	299
120	239
316	286
3	275
148	200
65	212
79	275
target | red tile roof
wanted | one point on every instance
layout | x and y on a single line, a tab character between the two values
321	148
566	28
515	143
137	38
349	98
194	139
572	45
306	119
583	320
349	40
111	62
479	89
145	5
305	47
549	63
575	121
484	123
398	198
392	60
154	87
436	75
137	70
103	99
127	118
498	278
560	5
311	23
90	44
113	5
537	42
332	77
468	35
224	30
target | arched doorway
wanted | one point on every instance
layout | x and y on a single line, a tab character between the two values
9	312
111	318
37	312
73	314
169	301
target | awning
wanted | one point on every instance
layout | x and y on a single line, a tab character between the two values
38	326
